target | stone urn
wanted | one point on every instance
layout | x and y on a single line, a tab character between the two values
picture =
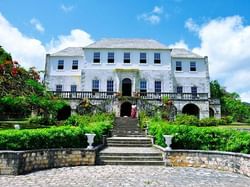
90	139
168	141
17	127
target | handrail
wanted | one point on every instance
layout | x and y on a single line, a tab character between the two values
143	95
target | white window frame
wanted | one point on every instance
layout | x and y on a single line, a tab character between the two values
97	56
60	64
111	58
75	64
158	90
143	58
126	57
157	58
178	66
193	66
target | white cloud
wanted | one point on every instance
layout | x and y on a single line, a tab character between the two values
245	96
77	38
31	52
157	10
153	17
191	25
27	51
179	44
38	26
226	41
67	8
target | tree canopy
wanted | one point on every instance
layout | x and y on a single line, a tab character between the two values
21	90
231	104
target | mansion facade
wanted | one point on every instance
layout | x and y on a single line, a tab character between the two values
138	69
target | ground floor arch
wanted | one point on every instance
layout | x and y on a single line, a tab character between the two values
125	109
211	112
64	113
191	109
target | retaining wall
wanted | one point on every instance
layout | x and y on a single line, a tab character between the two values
227	161
20	162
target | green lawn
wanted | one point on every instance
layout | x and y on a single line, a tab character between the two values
236	125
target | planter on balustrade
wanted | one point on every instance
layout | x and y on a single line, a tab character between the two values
168	141
90	139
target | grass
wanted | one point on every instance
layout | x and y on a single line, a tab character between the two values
236	125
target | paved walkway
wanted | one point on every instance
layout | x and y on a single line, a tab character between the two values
120	176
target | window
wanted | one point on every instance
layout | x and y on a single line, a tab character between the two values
143	58
157	86
59	88
111	57
95	85
110	87
126	58
178	66
179	89
194	90
60	64
192	66
73	88
157	58
143	87
96	57
75	64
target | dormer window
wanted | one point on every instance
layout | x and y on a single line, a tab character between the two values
126	58
143	58
111	58
75	65
157	58
60	64
96	58
178	66
192	66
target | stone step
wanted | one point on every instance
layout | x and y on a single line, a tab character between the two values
127	135
115	154
128	145
133	158
116	162
130	141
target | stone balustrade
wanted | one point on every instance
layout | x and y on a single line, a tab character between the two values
20	162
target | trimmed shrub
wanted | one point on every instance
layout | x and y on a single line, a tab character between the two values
185	119
82	120
209	138
55	137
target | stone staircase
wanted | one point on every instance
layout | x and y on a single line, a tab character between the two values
127	127
129	146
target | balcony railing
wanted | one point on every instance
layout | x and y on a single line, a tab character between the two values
174	96
81	95
143	95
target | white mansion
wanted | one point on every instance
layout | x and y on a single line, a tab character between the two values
136	68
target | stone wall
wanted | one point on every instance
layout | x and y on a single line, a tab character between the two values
227	161
20	162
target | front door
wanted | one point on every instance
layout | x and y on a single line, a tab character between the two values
126	87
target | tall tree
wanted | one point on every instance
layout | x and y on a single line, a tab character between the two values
21	91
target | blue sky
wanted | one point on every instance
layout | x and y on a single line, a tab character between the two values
219	29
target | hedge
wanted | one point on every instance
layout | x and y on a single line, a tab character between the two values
200	138
54	137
